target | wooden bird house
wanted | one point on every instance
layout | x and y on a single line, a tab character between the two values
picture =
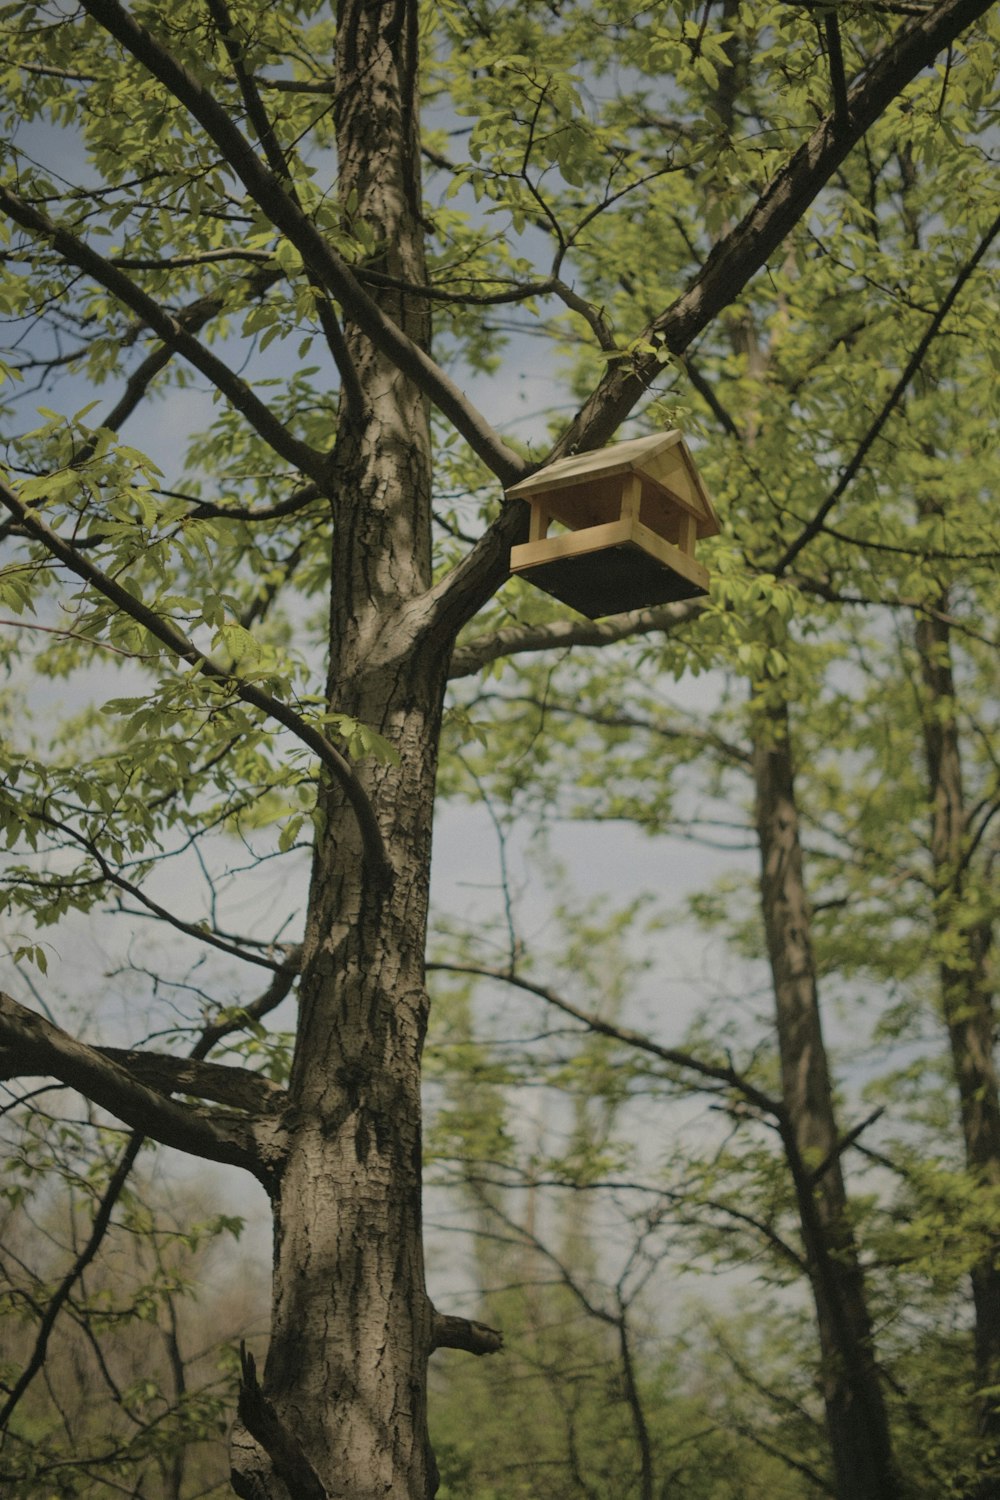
629	516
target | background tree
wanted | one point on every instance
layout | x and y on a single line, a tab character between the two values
201	235
120	1329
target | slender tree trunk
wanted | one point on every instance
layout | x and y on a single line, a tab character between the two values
352	1324
964	937
857	1422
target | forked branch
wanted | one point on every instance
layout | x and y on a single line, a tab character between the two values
76	252
333	273
35	1046
674	1056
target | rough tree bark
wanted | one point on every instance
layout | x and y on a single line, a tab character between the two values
352	1326
857	1421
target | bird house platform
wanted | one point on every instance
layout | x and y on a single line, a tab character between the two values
630	517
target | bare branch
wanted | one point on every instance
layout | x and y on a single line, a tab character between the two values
624	1034
280	987
57	1301
114	878
38	1046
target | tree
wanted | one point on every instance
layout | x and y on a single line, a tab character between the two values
211	132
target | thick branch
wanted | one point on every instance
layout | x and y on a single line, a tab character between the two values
37	1046
838	81
221	1083
448	1332
519	291
177	642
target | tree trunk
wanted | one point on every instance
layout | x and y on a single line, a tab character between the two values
964	937
857	1422
352	1324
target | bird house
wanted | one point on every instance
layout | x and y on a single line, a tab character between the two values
628	517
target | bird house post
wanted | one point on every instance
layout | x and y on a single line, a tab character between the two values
631	514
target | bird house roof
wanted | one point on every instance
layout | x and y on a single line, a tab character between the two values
663	462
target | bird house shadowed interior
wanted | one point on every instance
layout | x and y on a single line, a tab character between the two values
632	512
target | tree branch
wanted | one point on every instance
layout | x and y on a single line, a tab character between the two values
607	719
449	1332
113	877
472	656
280	987
732	262
38	1046
221	1083
191	319
745	249
210	1034
277	160
838	82
889	405
57	1301
846	1141
520	291
77	252
624	1034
